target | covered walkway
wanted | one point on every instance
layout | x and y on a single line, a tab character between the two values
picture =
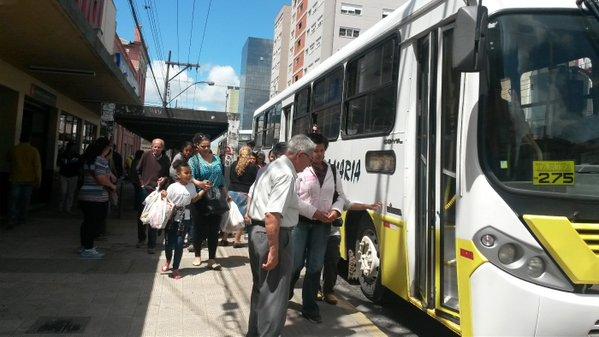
173	125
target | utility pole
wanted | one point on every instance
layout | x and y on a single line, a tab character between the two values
168	79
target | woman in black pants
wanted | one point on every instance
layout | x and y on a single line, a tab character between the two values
207	172
94	195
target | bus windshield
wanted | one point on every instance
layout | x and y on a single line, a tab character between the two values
540	119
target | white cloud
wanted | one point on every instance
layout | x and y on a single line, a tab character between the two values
199	96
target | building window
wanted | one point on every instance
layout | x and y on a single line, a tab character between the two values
387	12
68	129
89	134
349	32
350	9
371	82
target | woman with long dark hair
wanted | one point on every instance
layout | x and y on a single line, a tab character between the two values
207	172
94	194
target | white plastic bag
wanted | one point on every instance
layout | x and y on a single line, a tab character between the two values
157	211
235	220
148	204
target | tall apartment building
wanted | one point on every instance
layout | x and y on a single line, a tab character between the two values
319	28
280	51
255	78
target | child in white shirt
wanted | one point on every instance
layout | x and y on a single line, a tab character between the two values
181	193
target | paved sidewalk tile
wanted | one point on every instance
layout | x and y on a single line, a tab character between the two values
126	294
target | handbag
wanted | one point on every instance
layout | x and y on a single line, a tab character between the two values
337	222
215	202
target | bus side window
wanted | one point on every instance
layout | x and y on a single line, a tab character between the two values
371	91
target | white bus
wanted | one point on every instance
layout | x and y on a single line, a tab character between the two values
477	127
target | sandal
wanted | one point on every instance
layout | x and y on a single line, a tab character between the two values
197	261
176	274
166	267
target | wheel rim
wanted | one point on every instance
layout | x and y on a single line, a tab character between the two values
367	261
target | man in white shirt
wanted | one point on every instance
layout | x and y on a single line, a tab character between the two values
274	212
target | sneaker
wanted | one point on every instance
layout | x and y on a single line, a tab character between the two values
151	251
213	265
91	254
197	261
319	296
314	318
330	299
190	248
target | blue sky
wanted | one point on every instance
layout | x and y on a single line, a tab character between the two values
230	23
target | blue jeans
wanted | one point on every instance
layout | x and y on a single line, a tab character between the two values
20	196
174	241
309	247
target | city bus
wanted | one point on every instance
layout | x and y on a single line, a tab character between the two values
476	124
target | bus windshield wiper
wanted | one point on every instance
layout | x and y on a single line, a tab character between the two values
592	5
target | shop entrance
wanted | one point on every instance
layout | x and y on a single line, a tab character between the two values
36	120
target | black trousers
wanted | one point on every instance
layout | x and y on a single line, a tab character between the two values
329	271
94	217
206	227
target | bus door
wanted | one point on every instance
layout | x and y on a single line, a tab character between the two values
448	97
438	106
425	170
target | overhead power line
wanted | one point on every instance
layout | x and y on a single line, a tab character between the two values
204	31
193	10
145	47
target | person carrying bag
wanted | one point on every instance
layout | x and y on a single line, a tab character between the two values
207	173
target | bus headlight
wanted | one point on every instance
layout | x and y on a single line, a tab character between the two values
520	259
508	253
536	266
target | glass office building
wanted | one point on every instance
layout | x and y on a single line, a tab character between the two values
255	78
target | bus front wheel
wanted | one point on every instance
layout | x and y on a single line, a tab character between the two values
367	264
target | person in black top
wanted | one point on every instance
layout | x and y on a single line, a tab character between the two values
243	175
69	168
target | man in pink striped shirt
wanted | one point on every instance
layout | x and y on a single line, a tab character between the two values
321	201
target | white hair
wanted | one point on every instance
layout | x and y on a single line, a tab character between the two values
300	143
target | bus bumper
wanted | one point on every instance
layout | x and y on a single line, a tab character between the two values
503	305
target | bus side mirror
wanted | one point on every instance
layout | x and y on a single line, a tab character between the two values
469	38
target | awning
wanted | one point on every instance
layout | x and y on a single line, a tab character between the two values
52	41
153	122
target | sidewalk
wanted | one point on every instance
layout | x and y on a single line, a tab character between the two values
44	286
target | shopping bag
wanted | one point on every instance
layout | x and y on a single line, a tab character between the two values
157	210
235	220
149	202
161	213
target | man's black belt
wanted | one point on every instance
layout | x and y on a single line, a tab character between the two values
258	223
310	221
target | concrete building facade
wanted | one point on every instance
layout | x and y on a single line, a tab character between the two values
280	51
232	99
255	78
321	27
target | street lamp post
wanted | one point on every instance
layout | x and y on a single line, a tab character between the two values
210	83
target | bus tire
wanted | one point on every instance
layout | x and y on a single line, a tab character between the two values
367	263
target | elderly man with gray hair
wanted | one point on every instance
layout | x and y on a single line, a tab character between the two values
153	168
274	212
